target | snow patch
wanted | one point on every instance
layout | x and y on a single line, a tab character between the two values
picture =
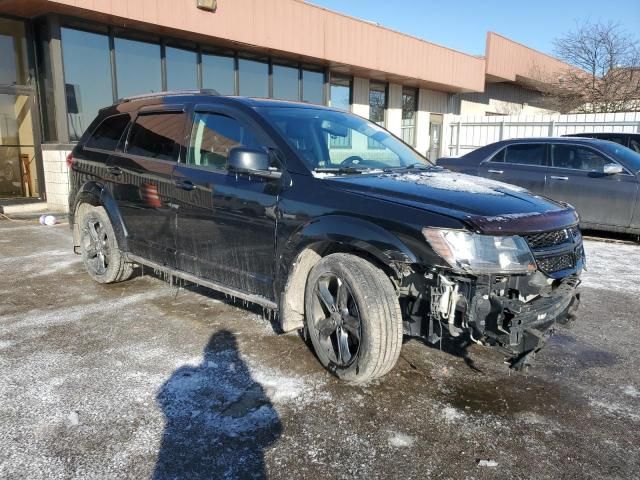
451	414
401	440
457	182
612	266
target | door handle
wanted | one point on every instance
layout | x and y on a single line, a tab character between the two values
115	171
499	172
554	177
185	185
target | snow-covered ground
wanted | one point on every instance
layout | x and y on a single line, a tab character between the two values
140	380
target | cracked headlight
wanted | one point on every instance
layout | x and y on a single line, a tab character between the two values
481	254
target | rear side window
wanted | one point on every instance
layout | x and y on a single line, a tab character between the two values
527	154
157	135
634	145
213	136
108	134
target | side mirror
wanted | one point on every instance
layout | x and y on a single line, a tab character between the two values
251	161
612	169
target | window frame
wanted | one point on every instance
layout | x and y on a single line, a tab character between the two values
157	109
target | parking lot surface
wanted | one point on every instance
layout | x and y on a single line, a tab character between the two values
146	380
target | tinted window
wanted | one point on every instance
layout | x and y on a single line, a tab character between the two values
212	137
181	69
409	107
254	78
377	103
634	145
577	158
285	83
312	87
13	45
109	132
87	76
157	135
218	73
137	67
531	154
340	92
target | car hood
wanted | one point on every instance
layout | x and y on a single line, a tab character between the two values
486	205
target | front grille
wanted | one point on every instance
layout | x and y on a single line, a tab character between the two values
548	239
556	250
556	263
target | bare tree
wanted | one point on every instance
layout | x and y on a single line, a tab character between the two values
606	77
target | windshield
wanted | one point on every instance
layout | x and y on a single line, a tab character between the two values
330	141
628	157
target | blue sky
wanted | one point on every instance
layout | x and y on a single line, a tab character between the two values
462	24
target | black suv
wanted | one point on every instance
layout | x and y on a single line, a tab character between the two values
326	219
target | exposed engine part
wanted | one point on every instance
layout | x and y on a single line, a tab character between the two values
513	313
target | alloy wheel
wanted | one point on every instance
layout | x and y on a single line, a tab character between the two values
336	320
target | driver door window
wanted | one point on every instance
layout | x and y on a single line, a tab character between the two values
212	137
575	157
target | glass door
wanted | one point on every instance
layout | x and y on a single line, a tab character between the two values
435	137
18	166
18	172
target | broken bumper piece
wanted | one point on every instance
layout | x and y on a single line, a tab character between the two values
513	314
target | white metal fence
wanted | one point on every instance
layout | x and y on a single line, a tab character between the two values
466	133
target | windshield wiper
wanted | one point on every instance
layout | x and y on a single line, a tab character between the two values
412	166
338	170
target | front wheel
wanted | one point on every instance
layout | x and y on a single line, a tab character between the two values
353	318
101	255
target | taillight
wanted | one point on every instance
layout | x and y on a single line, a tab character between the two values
69	160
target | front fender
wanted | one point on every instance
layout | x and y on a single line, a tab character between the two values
352	232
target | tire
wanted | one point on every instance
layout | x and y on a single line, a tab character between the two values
99	248
361	313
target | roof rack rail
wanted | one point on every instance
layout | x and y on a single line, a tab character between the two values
145	96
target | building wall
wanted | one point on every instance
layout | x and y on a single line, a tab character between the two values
56	176
501	99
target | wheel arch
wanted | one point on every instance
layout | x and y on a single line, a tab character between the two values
95	195
337	234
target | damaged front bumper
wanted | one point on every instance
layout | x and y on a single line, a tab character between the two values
512	313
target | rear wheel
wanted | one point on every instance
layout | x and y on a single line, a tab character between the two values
101	255
353	318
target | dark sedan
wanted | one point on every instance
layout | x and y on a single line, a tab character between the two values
600	178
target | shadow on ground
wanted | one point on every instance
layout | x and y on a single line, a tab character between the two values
218	420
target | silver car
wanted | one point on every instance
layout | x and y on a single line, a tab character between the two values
601	179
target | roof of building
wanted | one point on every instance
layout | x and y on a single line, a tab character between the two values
302	32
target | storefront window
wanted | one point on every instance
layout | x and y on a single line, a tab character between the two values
87	77
285	83
312	87
340	93
181	69
254	78
138	67
409	107
13	53
377	102
218	73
